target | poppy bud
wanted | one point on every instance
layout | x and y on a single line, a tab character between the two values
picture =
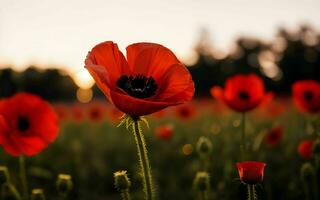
204	146
37	194
64	184
202	181
9	192
4	175
307	172
121	180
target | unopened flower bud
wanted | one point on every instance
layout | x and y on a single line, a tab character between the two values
202	181
64	183
204	146
4	175
121	180
307	172
37	194
9	192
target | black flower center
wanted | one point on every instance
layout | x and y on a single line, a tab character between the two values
308	96
244	95
138	86
23	124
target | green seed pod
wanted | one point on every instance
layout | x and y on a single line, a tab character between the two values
121	180
307	172
37	194
9	192
64	184
204	146
202	181
4	175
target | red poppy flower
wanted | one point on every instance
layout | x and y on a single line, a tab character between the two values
185	112
274	136
242	92
149	80
305	149
77	113
306	95
62	111
28	124
251	172
164	132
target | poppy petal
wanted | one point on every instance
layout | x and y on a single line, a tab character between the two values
150	59
137	107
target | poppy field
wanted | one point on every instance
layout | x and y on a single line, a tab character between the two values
243	143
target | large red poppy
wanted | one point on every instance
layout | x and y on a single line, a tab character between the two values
149	80
242	92
306	95
251	172
28	124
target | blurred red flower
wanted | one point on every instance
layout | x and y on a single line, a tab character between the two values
274	136
305	149
28	124
306	95
96	112
251	172
164	132
151	78
77	113
185	112
242	92
62	111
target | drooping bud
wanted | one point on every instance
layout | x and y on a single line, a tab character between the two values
307	172
64	184
202	181
121	180
37	194
4	175
204	146
9	192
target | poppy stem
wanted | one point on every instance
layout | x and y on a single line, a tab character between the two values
125	195
143	160
252	192
203	195
243	135
23	177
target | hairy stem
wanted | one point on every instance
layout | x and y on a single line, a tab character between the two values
143	160
243	135
23	177
125	195
252	192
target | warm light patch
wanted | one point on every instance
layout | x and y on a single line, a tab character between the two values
84	95
83	79
187	149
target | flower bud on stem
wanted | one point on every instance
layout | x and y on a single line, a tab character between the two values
122	183
308	178
64	185
37	194
201	184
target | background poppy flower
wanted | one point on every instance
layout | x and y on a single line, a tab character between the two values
274	136
242	92
96	112
151	78
164	132
185	112
305	149
251	172
28	124
306	95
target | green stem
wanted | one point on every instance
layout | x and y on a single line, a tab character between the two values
125	195
143	160
243	135
62	196
252	192
203	195
23	177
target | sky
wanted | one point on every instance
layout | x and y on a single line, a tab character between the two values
60	32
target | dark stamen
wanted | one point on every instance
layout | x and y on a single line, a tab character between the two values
23	124
138	86
244	95
308	95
